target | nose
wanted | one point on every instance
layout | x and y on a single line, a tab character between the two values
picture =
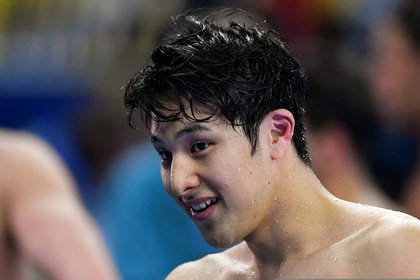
183	176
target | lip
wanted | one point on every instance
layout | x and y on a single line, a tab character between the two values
201	215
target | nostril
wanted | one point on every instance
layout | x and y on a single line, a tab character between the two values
183	175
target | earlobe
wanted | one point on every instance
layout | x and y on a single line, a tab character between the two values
282	124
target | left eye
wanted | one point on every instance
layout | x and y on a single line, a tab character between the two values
199	147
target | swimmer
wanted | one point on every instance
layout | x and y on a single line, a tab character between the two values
44	229
224	101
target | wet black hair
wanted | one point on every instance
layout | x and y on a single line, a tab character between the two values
229	61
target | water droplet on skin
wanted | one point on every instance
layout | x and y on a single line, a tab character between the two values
297	218
307	202
334	258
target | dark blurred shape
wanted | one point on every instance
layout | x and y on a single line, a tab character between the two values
341	124
395	64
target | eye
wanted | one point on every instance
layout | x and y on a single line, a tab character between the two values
198	147
165	155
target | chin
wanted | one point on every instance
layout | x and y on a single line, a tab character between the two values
219	241
217	244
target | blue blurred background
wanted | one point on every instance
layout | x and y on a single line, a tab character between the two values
62	66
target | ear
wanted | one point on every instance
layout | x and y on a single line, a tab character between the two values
281	125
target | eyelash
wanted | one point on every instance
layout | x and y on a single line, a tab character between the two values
196	148
162	154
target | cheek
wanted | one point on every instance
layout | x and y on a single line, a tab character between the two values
166	179
240	177
230	175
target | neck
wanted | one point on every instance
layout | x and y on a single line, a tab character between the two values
300	221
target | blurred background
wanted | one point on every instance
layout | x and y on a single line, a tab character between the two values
63	63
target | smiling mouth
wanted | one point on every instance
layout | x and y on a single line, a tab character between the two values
202	206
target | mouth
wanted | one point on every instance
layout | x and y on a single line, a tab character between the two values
201	209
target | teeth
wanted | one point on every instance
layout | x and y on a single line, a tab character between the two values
203	205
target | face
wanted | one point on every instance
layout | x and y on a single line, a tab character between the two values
208	169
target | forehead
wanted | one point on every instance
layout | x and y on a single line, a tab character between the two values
173	104
182	112
183	126
164	131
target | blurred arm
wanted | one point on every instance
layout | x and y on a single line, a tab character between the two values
47	220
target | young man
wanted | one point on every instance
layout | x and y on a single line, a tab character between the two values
44	229
224	100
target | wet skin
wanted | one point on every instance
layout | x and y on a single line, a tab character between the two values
292	227
210	164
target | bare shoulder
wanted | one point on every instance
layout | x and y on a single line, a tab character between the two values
25	154
396	226
231	263
23	146
35	183
203	268
393	246
399	232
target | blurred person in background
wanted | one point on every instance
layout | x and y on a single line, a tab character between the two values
44	229
395	84
340	122
68	102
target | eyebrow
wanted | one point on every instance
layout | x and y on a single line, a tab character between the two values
192	128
